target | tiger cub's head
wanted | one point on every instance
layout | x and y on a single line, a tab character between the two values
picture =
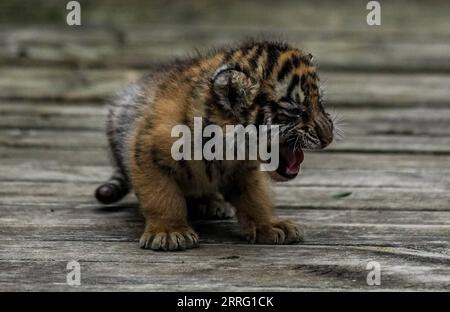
274	84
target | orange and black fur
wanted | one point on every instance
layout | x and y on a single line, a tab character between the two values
260	83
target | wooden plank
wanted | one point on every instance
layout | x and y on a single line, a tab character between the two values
53	108
392	144
49	172
343	89
324	227
52	122
323	160
40	265
405	120
367	198
66	140
86	157
356	114
80	208
329	54
385	162
118	231
56	35
307	198
344	50
399	16
63	84
142	48
406	40
417	178
365	120
432	238
360	200
386	89
95	140
319	197
313	189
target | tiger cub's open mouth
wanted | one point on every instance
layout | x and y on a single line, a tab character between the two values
290	161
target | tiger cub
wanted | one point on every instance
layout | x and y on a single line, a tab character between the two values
257	83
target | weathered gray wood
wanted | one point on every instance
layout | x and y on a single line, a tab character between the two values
367	198
80	208
52	108
47	221
417	178
308	191
43	83
90	157
345	89
372	121
331	52
426	238
55	122
353	142
411	36
380	194
375	162
349	16
392	144
34	265
68	140
142	47
12	156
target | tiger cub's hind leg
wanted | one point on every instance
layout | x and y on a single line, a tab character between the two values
213	207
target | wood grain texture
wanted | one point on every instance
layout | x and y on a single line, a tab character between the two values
144	47
380	194
405	121
74	140
121	266
343	89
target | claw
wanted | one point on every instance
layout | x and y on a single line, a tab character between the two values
169	241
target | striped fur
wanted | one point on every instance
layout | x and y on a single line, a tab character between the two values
255	83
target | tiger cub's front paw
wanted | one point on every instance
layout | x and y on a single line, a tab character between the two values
276	233
170	240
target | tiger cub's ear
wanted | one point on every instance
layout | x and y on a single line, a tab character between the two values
233	87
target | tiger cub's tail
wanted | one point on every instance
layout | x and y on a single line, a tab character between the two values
113	190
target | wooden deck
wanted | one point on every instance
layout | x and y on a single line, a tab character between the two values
381	194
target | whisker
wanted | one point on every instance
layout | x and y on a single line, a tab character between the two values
338	125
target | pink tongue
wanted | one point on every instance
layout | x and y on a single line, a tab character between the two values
295	158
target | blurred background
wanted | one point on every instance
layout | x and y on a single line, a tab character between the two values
403	62
413	36
380	193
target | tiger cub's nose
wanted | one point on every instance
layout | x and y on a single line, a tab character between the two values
324	129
